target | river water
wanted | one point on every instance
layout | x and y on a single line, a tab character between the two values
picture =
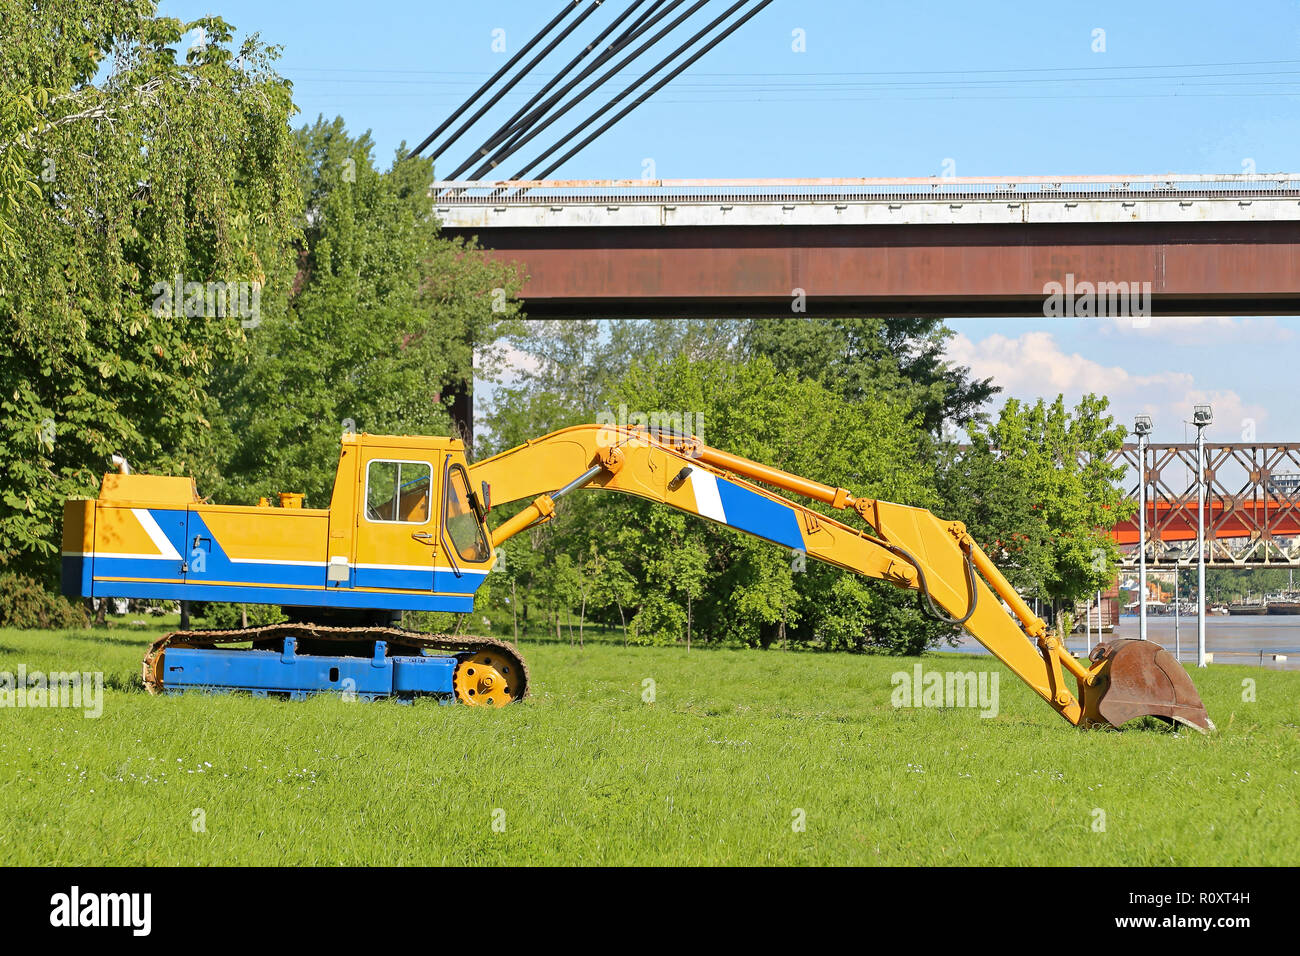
1232	640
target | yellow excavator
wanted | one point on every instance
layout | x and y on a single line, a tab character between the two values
407	529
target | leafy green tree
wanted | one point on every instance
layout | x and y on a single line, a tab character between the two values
559	586
519	564
375	336
568	365
1035	490
856	358
614	587
123	181
1234	584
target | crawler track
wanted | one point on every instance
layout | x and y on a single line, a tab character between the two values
398	640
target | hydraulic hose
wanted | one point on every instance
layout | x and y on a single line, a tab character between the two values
925	600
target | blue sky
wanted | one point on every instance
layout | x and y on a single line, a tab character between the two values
896	89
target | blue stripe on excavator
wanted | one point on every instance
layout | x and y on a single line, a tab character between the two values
262	582
75	579
759	515
302	675
298	597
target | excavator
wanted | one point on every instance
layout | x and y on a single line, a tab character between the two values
407	529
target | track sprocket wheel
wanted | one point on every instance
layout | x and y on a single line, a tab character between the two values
487	679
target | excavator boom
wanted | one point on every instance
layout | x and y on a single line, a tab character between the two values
905	546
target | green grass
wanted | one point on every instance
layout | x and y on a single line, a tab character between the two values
712	772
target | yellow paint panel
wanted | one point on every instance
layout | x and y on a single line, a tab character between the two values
563	460
268	534
118	531
78	527
155	489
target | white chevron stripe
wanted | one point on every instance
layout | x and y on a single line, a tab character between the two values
150	525
707	502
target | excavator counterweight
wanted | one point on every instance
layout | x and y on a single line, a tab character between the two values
407	530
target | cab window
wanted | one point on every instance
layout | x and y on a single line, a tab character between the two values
462	523
398	491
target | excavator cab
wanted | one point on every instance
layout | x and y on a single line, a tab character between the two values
404	531
417	531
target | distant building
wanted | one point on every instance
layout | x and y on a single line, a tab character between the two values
1285	483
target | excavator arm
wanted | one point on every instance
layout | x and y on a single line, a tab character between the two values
905	546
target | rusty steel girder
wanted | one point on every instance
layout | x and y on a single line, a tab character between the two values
946	270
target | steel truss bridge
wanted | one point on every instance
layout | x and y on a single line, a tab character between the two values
1252	505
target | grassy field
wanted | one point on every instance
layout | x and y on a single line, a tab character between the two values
738	749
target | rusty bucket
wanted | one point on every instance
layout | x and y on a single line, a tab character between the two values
1141	679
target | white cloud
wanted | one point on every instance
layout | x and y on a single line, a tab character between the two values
1033	365
517	360
509	360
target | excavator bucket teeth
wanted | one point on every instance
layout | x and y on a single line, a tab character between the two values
1142	679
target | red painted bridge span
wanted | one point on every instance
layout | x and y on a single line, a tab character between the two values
1224	518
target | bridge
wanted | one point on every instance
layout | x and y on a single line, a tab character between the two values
946	247
1252	507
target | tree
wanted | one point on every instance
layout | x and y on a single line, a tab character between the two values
1234	584
856	358
614	587
1036	491
146	215
568	366
374	336
559	585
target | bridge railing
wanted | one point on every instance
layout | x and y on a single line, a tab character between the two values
539	192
